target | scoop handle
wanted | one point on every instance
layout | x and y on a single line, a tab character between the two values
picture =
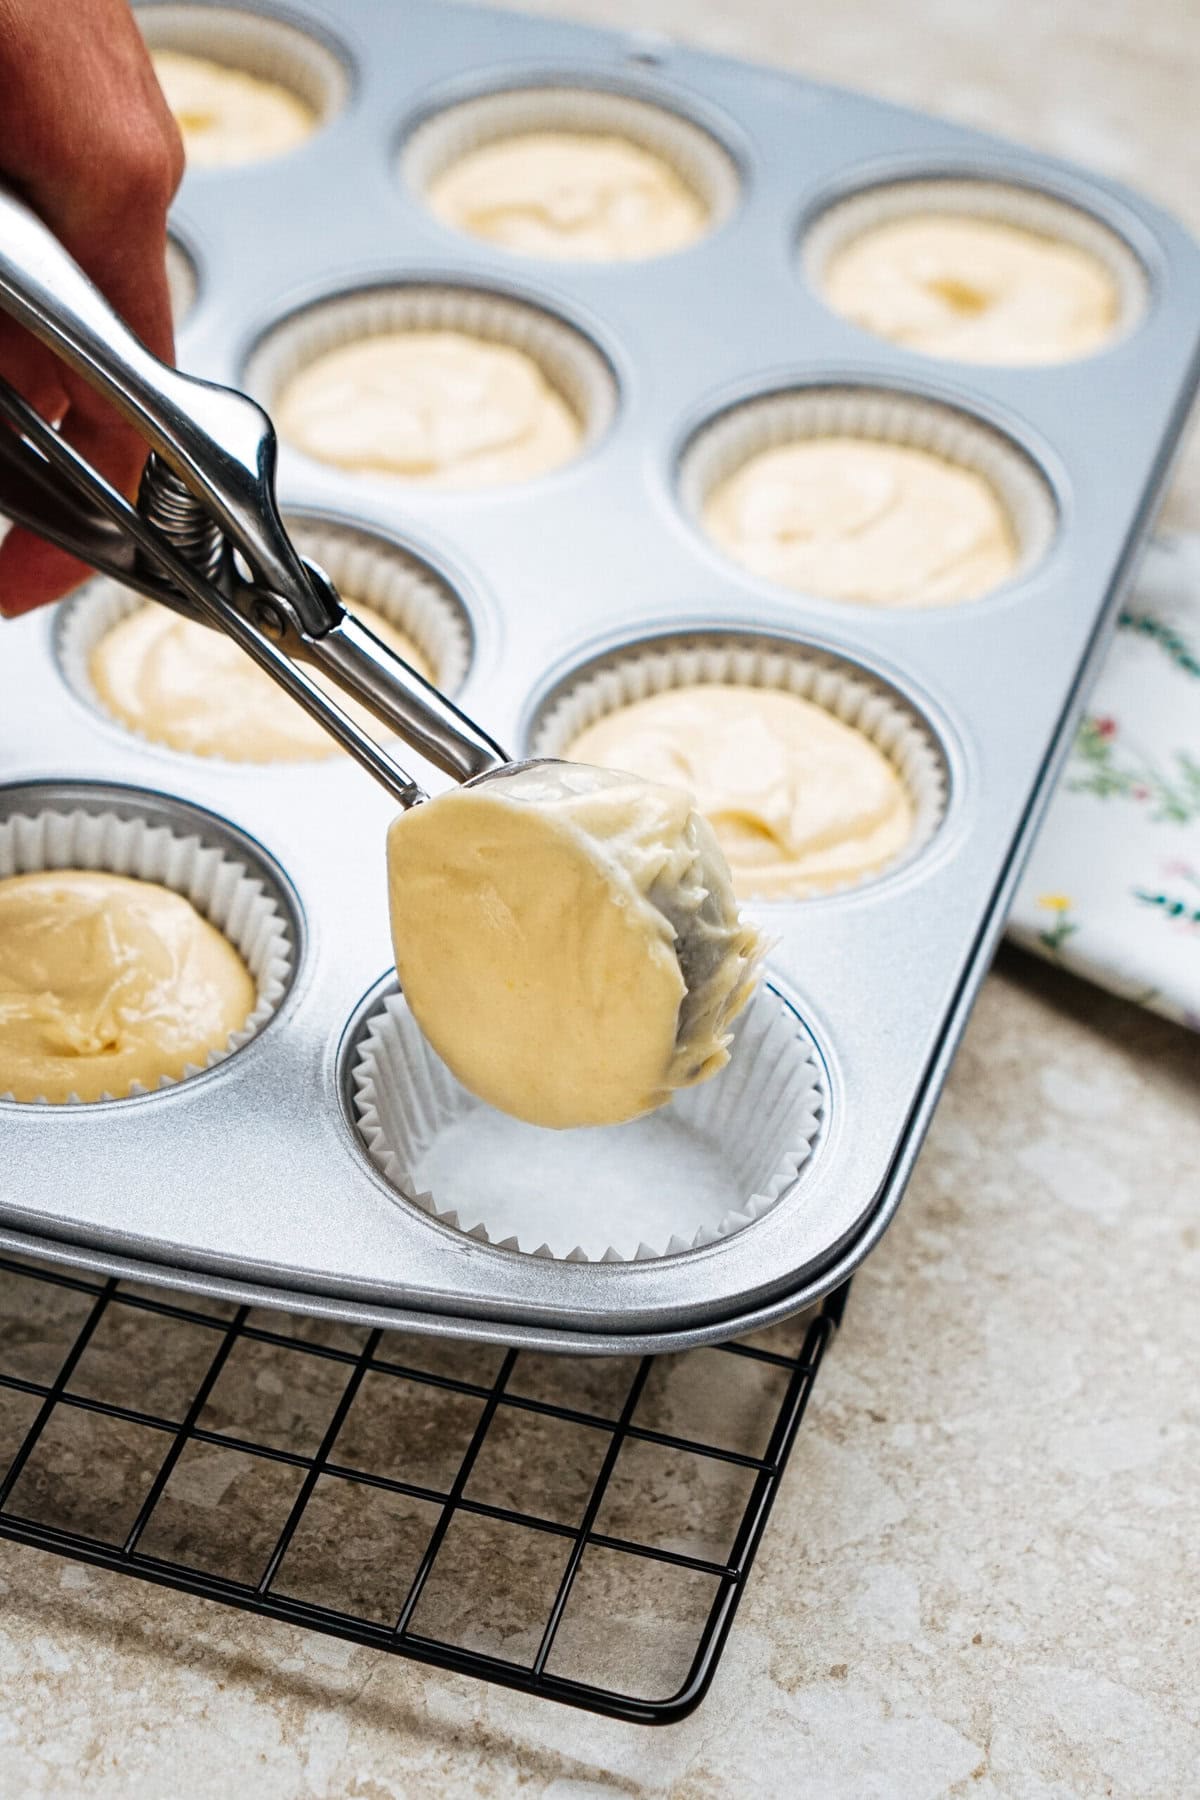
222	446
219	442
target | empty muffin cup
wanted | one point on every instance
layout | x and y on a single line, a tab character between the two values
574	173
167	700
244	87
224	890
976	271
867	495
708	1164
833	833
449	387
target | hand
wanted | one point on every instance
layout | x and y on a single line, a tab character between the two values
90	142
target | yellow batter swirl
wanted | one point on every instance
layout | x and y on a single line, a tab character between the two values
568	940
570	194
185	685
106	981
439	407
227	116
976	290
799	802
856	519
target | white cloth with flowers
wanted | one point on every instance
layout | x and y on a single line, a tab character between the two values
1112	891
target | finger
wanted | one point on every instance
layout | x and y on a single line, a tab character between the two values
105	182
33	370
116	230
100	159
33	572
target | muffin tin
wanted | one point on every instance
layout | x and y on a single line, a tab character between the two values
251	1179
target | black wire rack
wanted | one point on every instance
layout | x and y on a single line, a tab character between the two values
580	1529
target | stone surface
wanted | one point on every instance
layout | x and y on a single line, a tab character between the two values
982	1576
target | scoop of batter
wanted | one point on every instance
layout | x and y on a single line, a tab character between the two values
858	519
568	940
583	195
977	290
106	981
799	802
439	407
180	683
227	116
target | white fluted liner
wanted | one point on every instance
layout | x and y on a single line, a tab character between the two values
182	281
882	415
708	1164
366	568
271	48
569	361
409	593
222	888
852	695
703	164
1004	203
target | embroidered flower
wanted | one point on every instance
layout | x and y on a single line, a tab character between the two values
1178	910
1170	787
1054	936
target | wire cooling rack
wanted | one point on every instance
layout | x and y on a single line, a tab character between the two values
576	1528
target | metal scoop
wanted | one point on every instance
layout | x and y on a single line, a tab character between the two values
205	537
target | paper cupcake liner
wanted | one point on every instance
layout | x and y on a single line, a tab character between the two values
1006	203
257	43
224	890
368	568
570	362
703	164
708	1164
848	693
182	281
882	415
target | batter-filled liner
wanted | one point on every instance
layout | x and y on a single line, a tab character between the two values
365	568
268	48
850	694
226	891
726	443
572	366
701	163
1001	202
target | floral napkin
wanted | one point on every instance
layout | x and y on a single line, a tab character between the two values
1112	891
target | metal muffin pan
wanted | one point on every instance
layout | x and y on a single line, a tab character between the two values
250	1182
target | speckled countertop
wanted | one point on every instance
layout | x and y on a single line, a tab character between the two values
982	1576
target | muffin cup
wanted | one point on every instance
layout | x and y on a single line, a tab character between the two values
372	571
223	890
182	282
998	202
410	594
847	693
256	43
570	362
701	163
717	1157
881	415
